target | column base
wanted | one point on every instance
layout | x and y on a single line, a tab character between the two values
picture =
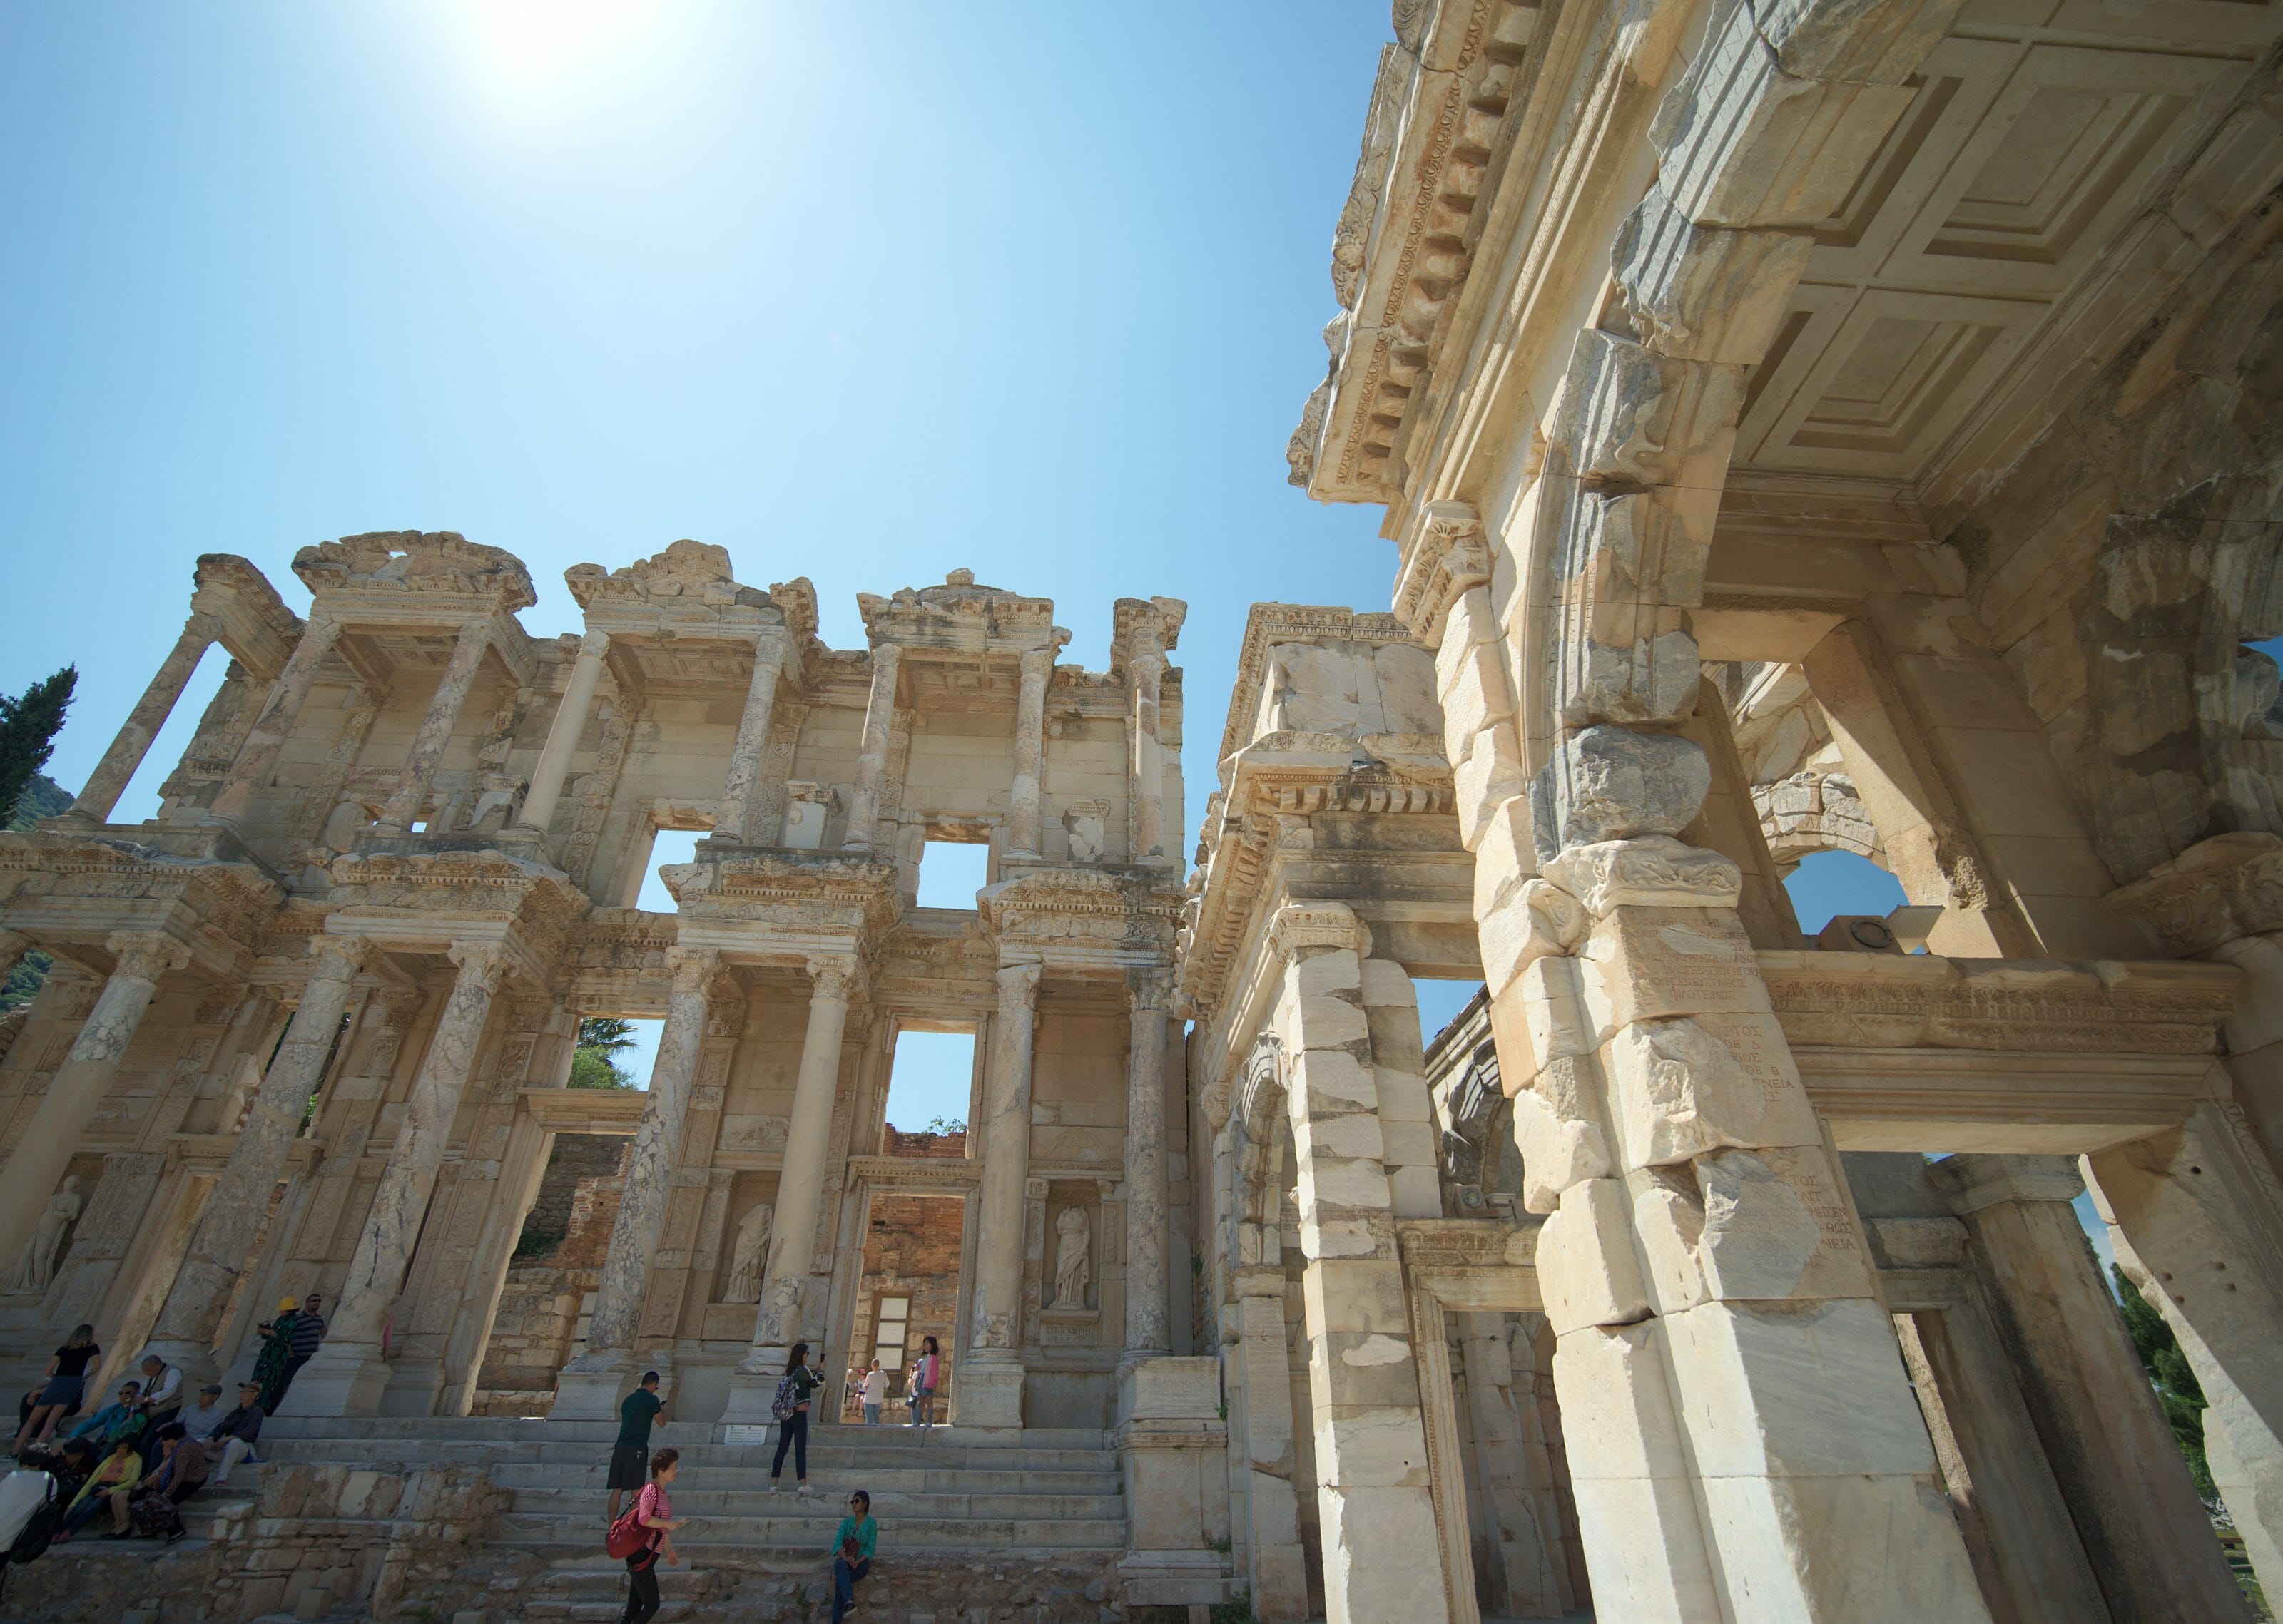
753	1387
990	1395
589	1388
1154	1386
345	1379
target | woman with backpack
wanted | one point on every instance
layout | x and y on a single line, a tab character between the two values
651	1521
791	1409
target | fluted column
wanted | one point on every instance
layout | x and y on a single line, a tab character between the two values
110	775
428	744
1038	668
257	757
872	755
738	790
800	1188
1146	672
348	1373
37	1163
991	1387
563	735
1148	1324
224	1243
591	1385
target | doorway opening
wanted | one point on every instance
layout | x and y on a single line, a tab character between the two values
907	1293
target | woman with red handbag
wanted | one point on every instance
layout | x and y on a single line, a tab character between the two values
852	1556
645	1534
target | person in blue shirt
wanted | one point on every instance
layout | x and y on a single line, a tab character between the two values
121	1418
852	1552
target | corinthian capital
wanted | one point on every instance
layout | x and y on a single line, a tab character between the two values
692	968
831	976
1018	986
148	954
484	963
337	957
1150	989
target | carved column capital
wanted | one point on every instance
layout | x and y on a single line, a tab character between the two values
148	954
595	645
1300	929
2216	891
487	962
692	968
831	976
1150	989
1018	987
338	958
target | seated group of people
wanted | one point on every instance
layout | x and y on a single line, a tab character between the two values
140	1455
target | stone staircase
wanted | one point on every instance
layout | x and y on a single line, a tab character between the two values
998	1495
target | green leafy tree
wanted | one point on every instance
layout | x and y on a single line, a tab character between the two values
593	1063
28	725
2176	1388
44	798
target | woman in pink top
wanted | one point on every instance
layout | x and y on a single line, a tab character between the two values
924	1373
655	1512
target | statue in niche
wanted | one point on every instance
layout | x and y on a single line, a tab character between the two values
1073	1257
35	1265
747	1256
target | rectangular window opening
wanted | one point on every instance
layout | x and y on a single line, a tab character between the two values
669	847
615	1053
951	872
930	1080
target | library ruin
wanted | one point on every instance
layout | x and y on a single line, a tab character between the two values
1802	426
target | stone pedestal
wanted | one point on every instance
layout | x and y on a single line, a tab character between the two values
990	1393
593	1392
1173	1449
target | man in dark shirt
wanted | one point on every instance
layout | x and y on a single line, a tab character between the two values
630	1456
302	1340
238	1430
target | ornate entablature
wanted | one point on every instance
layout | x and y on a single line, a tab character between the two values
413	561
962	616
72	891
427	901
849	898
1269	625
1081	920
1143	626
256	626
1442	554
1405	237
2217	892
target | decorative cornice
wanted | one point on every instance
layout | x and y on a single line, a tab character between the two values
1444	554
2217	892
1271	624
412	561
961	615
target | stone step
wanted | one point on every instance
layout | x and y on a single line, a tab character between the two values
828	1503
865	1455
681	1434
837	1476
794	1532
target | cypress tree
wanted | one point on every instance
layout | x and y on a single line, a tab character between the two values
28	725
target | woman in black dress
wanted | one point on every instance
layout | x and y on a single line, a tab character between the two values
66	1375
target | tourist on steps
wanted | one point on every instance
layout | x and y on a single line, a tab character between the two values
852	1552
926	1371
67	1375
630	1456
655	1512
874	1390
237	1433
791	1408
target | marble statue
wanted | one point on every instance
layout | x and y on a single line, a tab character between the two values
1073	1257
35	1265
749	1254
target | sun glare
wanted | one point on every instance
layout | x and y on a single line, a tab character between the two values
535	42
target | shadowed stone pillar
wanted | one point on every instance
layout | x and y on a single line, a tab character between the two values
224	1240
591	1385
436	727
1038	669
77	1089
110	775
563	735
990	1385
257	757
1374	1504
2144	1530
739	796
349	1374
13	945
1147	672
800	1189
872	754
1277	1564
1148	1324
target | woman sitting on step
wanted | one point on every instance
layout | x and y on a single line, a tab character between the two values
852	1552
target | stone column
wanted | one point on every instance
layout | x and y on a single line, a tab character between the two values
738	790
428	744
800	1189
1276	1565
563	737
872	755
224	1244
1146	671
591	1385
1527	1573
1148	1324
1038	669
34	1168
2197	1218
349	1374
990	1385
257	757
2143	1529
1376	1505
13	945
109	780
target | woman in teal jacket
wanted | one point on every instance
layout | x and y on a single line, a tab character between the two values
852	1552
